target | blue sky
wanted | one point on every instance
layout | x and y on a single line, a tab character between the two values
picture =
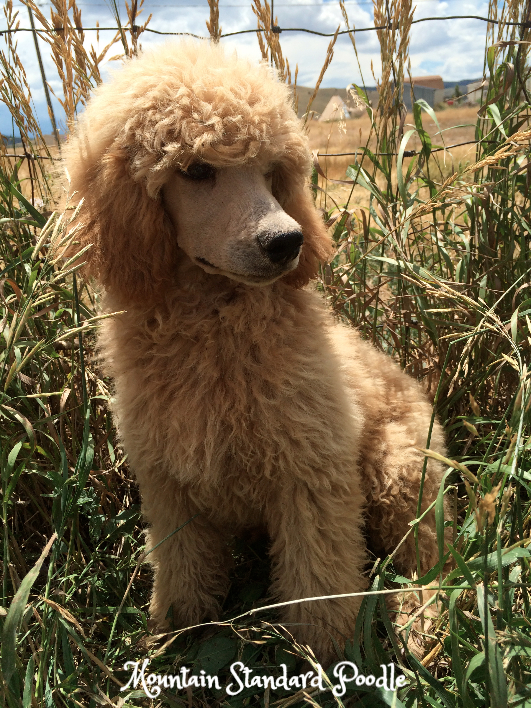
453	49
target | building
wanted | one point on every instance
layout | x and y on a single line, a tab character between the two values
434	82
475	92
430	88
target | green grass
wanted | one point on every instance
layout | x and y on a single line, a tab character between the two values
436	273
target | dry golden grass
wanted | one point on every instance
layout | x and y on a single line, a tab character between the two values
26	171
457	124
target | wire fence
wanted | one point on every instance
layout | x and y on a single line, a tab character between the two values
275	28
406	153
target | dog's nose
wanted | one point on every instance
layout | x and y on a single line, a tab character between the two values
281	248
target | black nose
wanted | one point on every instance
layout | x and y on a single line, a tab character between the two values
281	248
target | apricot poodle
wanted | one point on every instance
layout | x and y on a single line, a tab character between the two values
239	400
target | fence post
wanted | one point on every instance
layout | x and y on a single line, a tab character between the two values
44	83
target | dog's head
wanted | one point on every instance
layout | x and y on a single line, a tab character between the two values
191	152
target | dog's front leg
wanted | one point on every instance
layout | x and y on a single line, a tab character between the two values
318	549
191	565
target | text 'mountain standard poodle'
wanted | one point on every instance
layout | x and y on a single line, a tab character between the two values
239	400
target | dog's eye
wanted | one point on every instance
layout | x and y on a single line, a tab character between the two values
200	171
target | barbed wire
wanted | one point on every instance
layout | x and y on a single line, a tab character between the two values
27	156
407	153
275	28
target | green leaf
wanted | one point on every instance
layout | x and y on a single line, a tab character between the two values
340	227
439	516
68	657
399	171
389	698
216	653
475	663
375	161
496	117
483	287
462	566
353	648
429	110
498	680
314	182
48	696
23	258
517	650
457	666
11	459
39	218
13	481
399	579
460	271
437	569
356	172
14	615
86	455
447	260
423	135
411	167
26	697
491	57
525	306
30	222
445	697
371	643
11	412
491	562
361	93
514	325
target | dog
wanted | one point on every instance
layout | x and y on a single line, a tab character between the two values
239	400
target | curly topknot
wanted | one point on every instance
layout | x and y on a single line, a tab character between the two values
186	101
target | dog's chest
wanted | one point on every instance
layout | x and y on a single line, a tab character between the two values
232	399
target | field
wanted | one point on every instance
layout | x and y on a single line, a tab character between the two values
432	265
355	134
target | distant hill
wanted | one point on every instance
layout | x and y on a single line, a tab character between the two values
15	142
463	82
11	142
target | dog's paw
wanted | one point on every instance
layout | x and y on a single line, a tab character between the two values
414	616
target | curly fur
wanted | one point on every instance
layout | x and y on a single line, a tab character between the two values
246	405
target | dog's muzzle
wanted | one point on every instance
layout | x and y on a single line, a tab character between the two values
281	248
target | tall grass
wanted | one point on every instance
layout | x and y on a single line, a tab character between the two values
432	265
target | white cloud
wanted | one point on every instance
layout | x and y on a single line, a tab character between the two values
453	49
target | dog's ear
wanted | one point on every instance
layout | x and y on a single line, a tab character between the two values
133	244
317	246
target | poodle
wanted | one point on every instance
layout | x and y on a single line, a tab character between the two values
239	400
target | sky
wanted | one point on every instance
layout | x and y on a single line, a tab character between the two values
453	49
